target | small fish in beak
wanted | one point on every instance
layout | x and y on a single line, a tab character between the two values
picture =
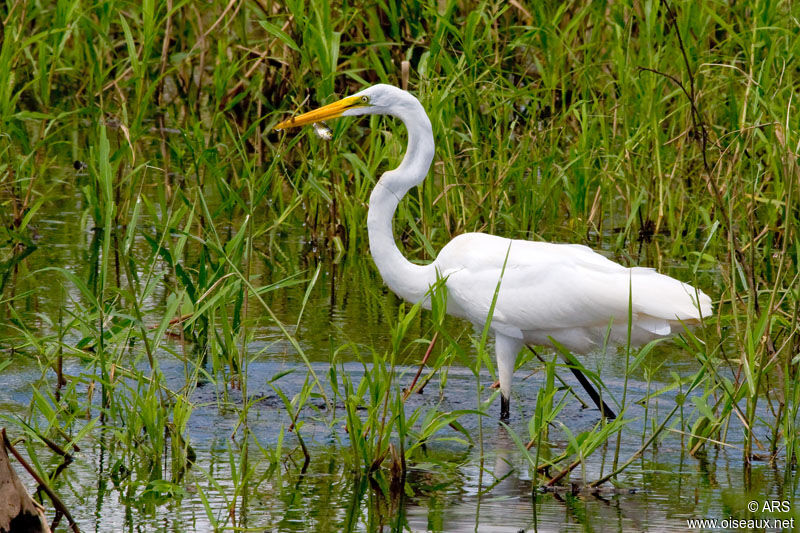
323	131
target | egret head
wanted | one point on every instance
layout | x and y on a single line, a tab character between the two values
384	99
379	99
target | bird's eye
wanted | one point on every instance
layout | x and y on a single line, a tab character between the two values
365	99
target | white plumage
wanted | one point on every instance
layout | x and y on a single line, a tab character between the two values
566	292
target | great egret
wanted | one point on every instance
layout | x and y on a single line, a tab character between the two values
565	292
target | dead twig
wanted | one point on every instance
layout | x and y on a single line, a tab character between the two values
427	355
57	503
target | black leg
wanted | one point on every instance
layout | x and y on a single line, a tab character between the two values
605	410
505	404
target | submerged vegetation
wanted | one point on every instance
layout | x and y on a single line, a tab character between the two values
138	136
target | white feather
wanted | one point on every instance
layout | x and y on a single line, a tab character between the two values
565	291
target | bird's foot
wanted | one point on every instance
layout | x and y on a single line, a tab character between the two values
495	385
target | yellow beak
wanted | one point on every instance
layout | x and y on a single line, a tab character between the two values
333	110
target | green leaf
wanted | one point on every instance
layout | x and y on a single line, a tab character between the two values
279	34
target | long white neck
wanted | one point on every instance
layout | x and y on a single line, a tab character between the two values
407	280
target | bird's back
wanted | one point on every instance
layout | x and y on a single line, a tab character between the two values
564	291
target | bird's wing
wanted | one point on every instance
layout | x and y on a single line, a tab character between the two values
558	286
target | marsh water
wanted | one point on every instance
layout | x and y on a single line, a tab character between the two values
451	486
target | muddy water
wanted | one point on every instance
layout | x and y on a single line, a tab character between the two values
451	486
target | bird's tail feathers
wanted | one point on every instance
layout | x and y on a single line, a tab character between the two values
656	296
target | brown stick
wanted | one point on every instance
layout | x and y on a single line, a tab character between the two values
58	449
421	365
57	503
555	479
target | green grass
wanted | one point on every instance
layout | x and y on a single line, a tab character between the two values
663	134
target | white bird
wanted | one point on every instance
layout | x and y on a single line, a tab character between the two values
565	292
